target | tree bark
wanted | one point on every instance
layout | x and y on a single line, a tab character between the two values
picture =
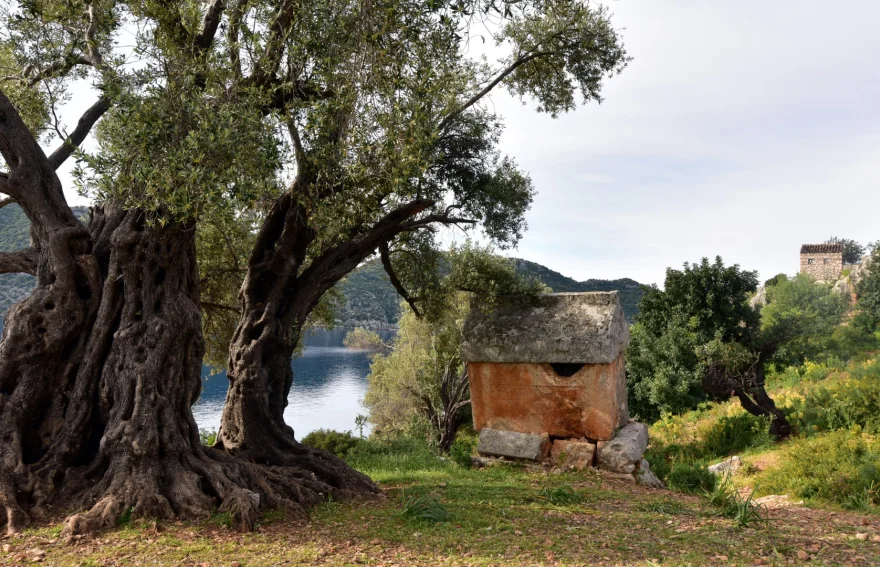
273	312
98	373
279	292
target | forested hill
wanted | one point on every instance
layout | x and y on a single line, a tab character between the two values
371	300
630	291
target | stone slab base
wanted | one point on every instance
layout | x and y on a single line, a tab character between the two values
513	445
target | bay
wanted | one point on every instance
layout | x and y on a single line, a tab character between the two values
329	382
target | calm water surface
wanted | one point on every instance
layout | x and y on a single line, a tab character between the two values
329	382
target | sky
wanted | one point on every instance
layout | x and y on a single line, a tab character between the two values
740	129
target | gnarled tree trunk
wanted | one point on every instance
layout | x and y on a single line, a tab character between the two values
279	291
99	372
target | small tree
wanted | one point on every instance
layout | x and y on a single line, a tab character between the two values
699	339
363	339
799	319
699	304
852	250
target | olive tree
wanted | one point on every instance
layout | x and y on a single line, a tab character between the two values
267	147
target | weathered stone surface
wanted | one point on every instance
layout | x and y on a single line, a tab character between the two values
646	477
623	453
823	262
533	398
573	453
514	445
582	328
729	465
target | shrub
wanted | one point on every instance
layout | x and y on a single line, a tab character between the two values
207	436
691	477
340	443
462	449
842	467
734	434
844	403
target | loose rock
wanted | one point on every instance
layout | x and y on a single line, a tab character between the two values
526	446
624	453
574	454
730	465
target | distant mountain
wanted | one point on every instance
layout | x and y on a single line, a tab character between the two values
370	299
630	291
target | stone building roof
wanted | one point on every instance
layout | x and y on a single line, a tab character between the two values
582	328
822	249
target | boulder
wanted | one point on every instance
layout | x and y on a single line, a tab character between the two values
729	465
646	477
572	453
513	445
623	453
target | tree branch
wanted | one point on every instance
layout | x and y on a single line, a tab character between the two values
21	261
395	281
83	127
268	64
488	88
210	23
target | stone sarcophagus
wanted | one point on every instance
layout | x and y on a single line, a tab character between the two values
553	367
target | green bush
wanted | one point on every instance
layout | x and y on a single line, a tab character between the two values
845	403
462	449
207	436
842	467
730	435
691	477
340	443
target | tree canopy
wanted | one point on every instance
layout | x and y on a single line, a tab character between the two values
286	142
699	339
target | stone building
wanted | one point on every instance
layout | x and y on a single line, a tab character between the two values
822	262
548	383
555	367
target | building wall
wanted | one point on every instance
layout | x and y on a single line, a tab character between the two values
532	398
820	269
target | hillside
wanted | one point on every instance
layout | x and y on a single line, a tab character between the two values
630	291
371	300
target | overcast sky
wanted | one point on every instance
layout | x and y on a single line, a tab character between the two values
740	129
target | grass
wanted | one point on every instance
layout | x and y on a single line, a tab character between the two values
435	512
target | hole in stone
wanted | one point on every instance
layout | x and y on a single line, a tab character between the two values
566	369
41	330
50	306
160	276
